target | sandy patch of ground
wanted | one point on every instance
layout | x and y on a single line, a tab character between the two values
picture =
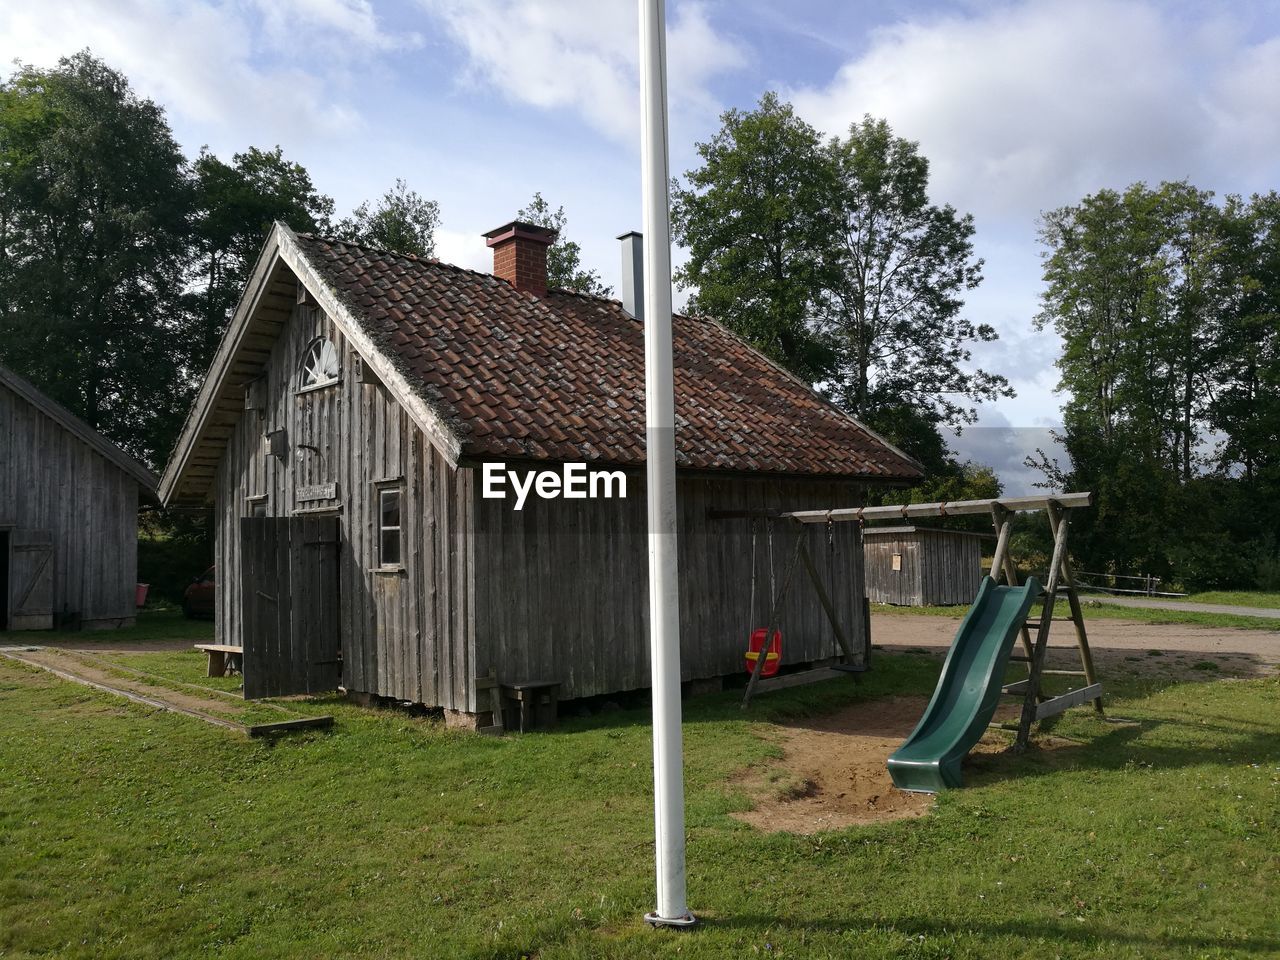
833	774
106	645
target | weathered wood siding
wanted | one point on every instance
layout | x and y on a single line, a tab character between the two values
885	584
950	567
556	591
937	567
562	585
52	480
406	633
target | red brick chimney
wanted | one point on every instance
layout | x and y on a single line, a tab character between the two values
520	255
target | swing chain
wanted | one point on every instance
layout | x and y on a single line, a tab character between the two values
751	609
768	526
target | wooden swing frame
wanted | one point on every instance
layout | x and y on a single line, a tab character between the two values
1035	705
799	554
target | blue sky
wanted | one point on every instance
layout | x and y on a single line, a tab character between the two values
1020	107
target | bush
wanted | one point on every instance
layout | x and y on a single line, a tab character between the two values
1212	562
1266	569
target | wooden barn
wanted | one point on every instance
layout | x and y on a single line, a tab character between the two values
922	566
68	517
354	435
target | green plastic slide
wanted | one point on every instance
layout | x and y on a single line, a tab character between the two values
967	692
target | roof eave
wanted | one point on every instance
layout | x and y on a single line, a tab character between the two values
407	391
202	409
147	480
282	246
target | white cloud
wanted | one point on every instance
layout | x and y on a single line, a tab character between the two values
1028	106
1024	106
204	61
1243	102
464	249
995	443
341	27
582	55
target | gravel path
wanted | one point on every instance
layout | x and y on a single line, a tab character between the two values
1161	647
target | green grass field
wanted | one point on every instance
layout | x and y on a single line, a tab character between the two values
130	833
1239	598
154	624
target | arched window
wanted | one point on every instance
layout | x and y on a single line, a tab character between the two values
319	365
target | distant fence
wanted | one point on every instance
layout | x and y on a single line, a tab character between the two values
1142	586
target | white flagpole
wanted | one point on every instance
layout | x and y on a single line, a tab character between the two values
664	595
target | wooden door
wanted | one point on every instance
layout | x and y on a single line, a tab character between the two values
30	580
289	588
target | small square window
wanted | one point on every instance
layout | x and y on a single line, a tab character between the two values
389	526
257	506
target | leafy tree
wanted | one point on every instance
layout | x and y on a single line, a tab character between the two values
1163	299
830	258
755	218
892	302
236	203
945	478
1246	408
94	201
402	221
950	482
915	434
564	257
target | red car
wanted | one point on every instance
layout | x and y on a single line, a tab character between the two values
198	598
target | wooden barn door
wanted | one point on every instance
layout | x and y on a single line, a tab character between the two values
289	589
30	579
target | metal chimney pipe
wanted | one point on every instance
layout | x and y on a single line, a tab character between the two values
633	273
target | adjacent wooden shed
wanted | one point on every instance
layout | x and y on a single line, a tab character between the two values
922	566
68	517
343	439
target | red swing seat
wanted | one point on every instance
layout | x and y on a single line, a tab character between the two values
772	658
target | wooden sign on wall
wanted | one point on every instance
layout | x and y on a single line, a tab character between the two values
318	491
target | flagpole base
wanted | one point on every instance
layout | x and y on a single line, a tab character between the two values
679	923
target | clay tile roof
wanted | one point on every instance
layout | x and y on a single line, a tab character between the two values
562	376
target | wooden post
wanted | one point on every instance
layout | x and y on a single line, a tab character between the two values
1059	518
824	598
488	688
1042	640
774	616
1002	562
1000	520
866	629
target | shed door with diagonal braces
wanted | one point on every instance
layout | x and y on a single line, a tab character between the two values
30	580
289	588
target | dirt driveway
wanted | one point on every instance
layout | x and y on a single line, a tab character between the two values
1125	645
